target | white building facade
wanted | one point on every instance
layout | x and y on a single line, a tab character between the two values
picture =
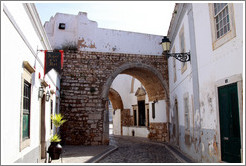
25	117
129	89
206	93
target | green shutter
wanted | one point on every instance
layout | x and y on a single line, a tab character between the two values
25	130
26	110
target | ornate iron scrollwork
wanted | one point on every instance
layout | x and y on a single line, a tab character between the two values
183	57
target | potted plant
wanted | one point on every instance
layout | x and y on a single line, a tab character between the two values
55	149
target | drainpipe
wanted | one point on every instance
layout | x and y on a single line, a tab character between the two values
194	65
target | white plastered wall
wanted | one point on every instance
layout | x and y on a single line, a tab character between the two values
20	44
79	29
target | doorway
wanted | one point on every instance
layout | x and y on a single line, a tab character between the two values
43	129
141	112
229	123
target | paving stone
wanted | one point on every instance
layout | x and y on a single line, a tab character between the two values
138	150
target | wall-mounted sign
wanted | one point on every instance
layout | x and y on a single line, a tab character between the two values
53	60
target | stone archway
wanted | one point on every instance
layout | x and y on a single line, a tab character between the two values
85	84
115	99
151	79
155	84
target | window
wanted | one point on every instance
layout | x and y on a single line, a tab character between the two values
62	25
26	110
153	110
222	23
182	48
25	118
187	118
221	17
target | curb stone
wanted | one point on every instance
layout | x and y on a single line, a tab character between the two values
100	156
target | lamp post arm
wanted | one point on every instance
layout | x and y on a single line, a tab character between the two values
183	57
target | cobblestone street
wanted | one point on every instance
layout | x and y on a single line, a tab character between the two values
138	150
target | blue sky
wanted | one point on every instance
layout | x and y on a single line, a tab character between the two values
151	17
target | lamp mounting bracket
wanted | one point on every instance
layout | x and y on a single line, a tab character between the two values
183	57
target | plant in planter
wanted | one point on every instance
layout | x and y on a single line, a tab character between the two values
55	149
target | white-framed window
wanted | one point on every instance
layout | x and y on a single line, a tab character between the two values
222	23
26	110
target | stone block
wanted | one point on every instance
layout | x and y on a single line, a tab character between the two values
97	138
94	116
93	126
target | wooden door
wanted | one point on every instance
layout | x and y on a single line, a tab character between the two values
229	123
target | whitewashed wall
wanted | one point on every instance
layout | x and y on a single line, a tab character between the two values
212	66
136	131
20	43
222	63
122	84
79	29
160	112
183	85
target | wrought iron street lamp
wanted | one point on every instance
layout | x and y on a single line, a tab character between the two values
47	96
183	57
40	92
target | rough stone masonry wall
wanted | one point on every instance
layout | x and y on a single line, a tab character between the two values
83	78
158	132
126	119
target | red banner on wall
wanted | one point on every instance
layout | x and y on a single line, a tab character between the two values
53	60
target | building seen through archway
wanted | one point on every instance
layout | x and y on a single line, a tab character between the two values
130	111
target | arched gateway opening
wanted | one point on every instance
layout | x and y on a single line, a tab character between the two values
115	98
85	88
151	79
115	112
